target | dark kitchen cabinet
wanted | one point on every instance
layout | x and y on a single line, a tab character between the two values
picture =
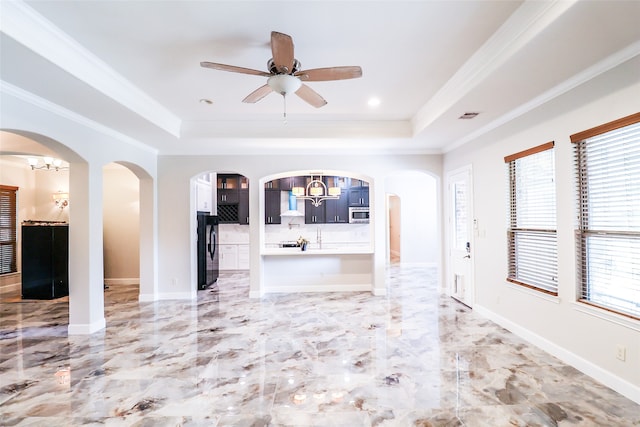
286	184
358	196
313	214
45	261
232	196
272	206
272	185
227	189
243	206
337	211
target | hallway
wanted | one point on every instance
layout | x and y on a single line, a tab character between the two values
412	358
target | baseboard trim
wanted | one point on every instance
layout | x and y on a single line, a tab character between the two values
320	288
86	328
122	281
176	295
147	297
612	381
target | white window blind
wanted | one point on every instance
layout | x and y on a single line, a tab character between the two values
608	234
532	233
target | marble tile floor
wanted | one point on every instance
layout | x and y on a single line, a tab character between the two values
412	358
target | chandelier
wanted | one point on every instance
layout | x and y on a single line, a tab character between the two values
316	191
48	163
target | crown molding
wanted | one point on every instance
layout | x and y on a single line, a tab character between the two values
590	73
523	25
30	98
26	26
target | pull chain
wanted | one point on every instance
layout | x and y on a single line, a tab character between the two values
284	97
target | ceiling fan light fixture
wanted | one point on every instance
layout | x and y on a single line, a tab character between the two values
284	83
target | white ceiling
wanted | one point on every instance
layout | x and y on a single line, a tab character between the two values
133	66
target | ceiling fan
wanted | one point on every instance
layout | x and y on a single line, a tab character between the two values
285	76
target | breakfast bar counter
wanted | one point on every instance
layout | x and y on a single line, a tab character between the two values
327	268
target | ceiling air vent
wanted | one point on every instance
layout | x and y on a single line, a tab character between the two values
467	116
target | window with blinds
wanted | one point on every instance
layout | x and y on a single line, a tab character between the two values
608	233
8	244
532	244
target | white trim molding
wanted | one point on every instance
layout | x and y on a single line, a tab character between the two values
618	384
23	24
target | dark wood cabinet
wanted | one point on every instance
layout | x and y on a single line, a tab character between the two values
45	261
313	214
337	211
232	196
286	184
272	185
243	206
358	196
272	206
227	189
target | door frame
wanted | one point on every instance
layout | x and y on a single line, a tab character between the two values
450	233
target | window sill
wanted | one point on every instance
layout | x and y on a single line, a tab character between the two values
608	316
529	291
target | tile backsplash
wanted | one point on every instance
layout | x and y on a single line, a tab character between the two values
294	228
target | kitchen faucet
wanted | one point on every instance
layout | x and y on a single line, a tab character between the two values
319	238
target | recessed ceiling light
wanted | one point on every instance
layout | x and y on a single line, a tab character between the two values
373	102
206	101
467	116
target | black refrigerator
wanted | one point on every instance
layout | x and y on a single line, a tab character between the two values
208	250
45	260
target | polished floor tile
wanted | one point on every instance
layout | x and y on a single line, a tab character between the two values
412	358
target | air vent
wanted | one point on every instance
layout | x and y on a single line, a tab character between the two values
467	116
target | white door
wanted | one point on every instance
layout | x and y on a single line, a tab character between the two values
460	278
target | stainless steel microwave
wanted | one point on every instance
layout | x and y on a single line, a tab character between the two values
359	215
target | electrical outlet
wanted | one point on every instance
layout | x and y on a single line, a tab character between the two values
621	353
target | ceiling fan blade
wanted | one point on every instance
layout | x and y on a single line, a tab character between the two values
258	94
311	96
234	69
330	73
282	51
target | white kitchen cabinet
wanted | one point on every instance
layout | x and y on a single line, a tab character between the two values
228	257
243	257
204	196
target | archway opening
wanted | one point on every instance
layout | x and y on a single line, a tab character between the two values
121	227
418	221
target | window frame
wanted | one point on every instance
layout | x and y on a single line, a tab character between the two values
513	230
12	226
583	231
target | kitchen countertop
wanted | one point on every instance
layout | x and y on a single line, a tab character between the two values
313	249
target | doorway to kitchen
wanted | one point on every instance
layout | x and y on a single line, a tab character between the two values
222	238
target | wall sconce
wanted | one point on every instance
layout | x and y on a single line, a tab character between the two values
61	199
49	163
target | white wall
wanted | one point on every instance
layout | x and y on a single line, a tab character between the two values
585	338
420	223
87	146
121	234
176	223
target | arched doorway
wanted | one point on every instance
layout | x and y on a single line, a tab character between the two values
121	226
419	219
85	217
395	228
220	214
